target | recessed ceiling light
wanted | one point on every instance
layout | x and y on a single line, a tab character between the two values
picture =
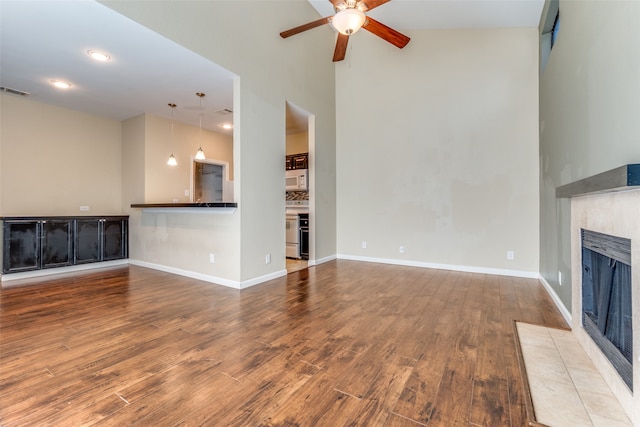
99	55
61	84
227	126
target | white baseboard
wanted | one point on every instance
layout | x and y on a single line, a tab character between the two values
463	268
262	279
211	279
556	300
7	278
313	262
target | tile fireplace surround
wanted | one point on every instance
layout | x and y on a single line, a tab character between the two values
614	211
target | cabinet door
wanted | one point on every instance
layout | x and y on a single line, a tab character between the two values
21	246
56	243
87	240
114	239
300	161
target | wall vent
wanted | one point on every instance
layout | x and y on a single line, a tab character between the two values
13	91
224	111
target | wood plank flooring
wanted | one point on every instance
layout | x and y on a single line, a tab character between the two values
340	344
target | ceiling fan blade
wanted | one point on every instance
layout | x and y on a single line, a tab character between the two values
386	33
341	47
305	27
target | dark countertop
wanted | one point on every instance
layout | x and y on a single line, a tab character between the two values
186	205
188	208
625	177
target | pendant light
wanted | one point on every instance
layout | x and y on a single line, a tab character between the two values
172	160
200	154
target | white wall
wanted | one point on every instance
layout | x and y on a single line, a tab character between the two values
164	183
589	109
178	243
298	143
437	149
271	71
55	160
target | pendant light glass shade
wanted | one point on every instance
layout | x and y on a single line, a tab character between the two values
172	161
200	154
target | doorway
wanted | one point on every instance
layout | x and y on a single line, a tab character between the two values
299	200
210	181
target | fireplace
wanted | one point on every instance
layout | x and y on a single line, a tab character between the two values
607	205
606	298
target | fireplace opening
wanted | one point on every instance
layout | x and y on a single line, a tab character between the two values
606	298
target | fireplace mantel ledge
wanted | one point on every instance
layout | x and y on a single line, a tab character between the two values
619	179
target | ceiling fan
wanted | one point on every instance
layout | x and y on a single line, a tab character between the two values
349	18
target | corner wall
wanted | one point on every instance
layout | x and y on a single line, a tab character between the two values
589	109
271	71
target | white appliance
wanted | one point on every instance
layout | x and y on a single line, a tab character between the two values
293	236
293	226
297	180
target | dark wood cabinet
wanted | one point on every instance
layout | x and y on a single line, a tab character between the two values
115	239
56	243
49	242
87	240
297	161
100	239
21	246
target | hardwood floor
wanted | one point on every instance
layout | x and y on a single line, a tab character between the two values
342	343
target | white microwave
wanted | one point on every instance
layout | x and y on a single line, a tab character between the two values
297	180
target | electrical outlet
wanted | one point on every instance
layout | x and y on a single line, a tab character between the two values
401	249
84	208
175	200
267	259
186	193
560	278
364	245
511	255
212	258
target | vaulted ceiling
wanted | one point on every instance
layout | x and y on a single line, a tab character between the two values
138	80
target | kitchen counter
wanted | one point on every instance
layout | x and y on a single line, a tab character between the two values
295	207
203	207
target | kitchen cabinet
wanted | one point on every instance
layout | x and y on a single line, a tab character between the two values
34	243
297	161
21	246
56	243
100	239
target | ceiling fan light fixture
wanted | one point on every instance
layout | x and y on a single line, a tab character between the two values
348	21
